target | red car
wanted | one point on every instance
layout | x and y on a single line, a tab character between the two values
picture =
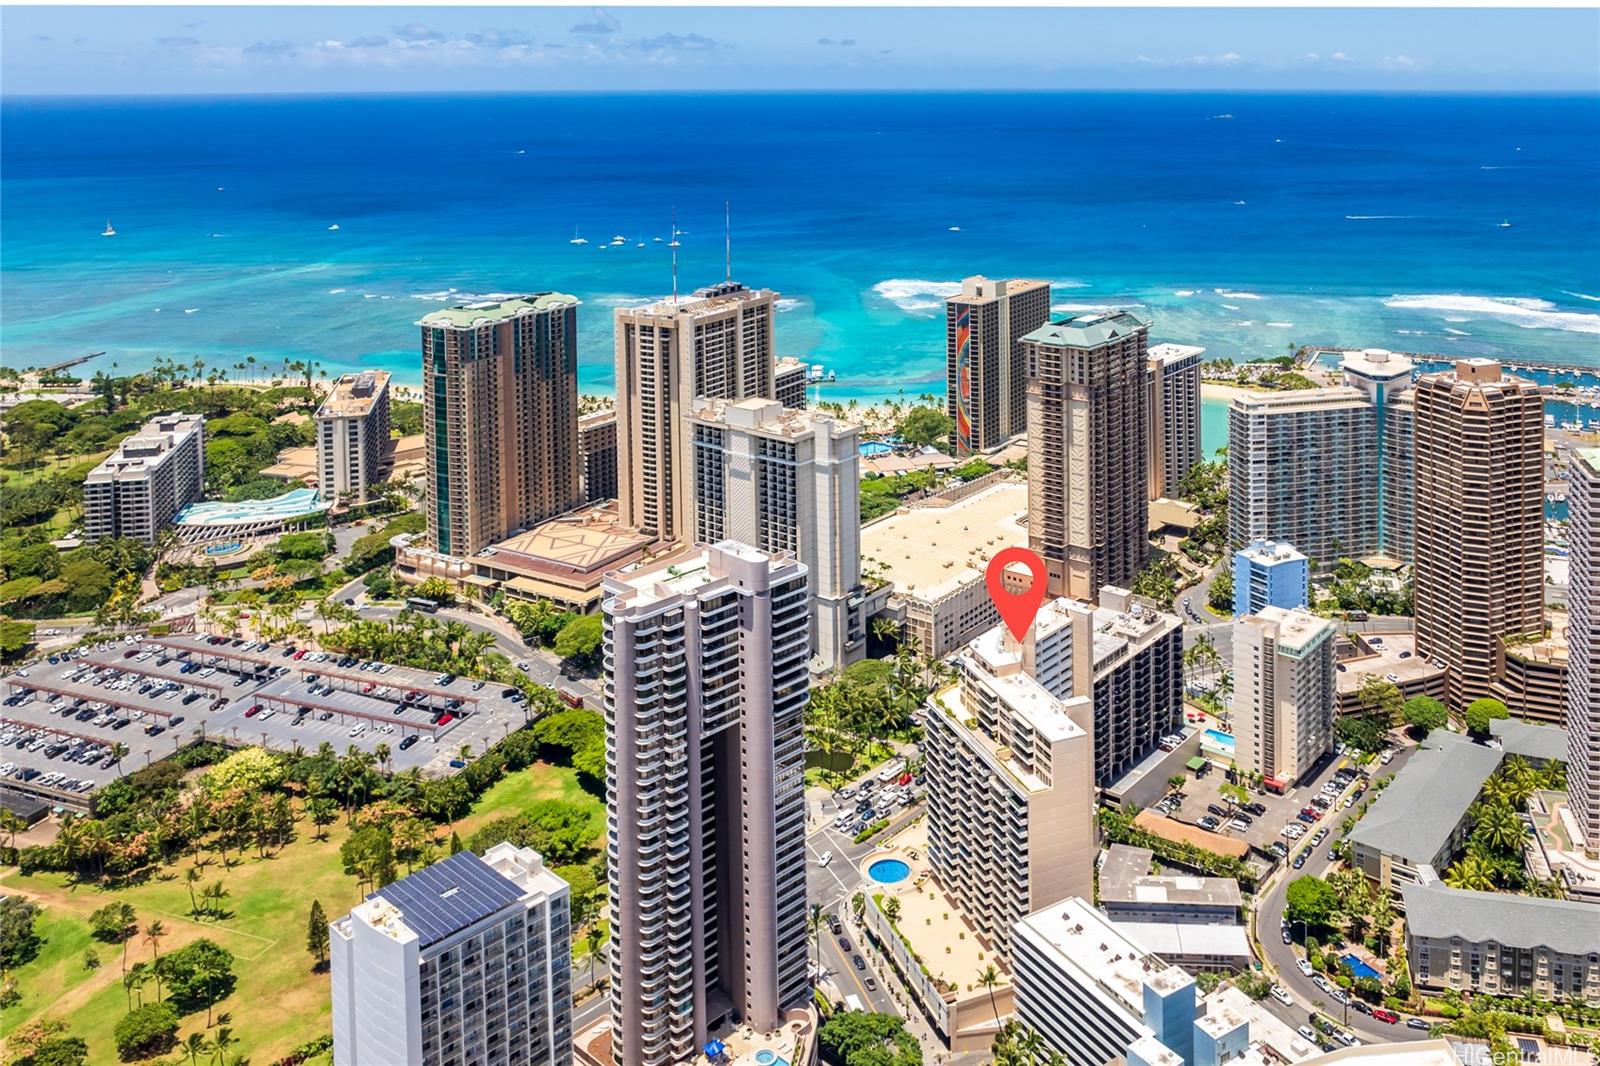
445	719
1385	1015
255	708
1312	813
301	654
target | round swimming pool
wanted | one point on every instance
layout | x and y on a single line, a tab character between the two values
888	871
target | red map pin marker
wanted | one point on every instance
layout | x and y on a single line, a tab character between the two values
1017	609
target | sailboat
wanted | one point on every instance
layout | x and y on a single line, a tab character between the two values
334	228
109	231
1505	223
577	239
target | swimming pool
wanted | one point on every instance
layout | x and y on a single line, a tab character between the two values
224	549
872	449
888	871
768	1057
1358	968
1219	739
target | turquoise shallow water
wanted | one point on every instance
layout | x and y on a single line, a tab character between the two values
1243	222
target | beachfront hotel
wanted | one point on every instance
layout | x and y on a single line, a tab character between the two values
716	343
1478	581
787	481
352	428
1284	692
500	411
136	490
465	961
1011	781
1328	470
789	379
1088	457
986	375
706	682
1174	415
1583	649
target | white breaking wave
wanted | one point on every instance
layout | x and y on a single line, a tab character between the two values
1070	283
1184	292
1066	309
1230	294
1457	332
334	292
1230	307
1281	325
1581	295
190	310
915	295
785	303
1246	324
1517	310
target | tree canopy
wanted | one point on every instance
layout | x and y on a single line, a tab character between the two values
1424	713
858	1038
923	426
1480	713
1313	901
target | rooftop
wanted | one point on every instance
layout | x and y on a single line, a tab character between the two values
1088	330
1271	552
1121	624
771	418
1226	1008
354	395
711	300
452	894
1589	457
1190	938
981	290
1125	878
1298	629
931	551
1397	656
1103	953
1407	1053
1377	364
1414	817
292	504
1030	705
1173	353
147	449
1530	740
1437	911
1329	398
646	584
582	542
482	314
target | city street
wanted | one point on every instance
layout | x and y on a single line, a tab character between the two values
1282	959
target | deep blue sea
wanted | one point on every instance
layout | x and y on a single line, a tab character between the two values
1243	222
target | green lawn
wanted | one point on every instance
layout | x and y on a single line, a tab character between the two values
278	1002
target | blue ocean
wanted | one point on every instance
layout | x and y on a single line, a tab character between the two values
254	230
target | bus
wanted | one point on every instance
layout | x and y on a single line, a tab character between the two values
419	603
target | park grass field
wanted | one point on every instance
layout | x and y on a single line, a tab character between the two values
279	1001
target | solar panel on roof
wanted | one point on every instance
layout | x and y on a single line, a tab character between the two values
450	895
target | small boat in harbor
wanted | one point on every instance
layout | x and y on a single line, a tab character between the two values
577	239
1505	223
334	228
109	231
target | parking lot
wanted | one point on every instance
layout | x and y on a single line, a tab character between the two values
155	695
1201	795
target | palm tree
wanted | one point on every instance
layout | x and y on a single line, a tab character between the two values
12	823
988	979
192	878
891	908
1502	828
594	938
1471	873
195	1045
381	753
220	1043
814	920
210	971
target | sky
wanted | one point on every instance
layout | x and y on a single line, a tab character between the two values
225	50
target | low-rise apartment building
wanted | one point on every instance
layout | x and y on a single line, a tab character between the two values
463	962
1129	892
1501	944
152	475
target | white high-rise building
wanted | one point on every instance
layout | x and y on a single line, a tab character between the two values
1174	383
465	962
1284	691
1583	649
152	475
787	481
706	686
352	435
1011	779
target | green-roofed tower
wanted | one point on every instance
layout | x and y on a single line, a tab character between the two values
500	411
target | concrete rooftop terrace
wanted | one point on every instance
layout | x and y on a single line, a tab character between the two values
489	312
931	551
354	394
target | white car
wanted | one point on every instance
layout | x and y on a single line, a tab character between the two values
1281	994
1388	757
1305	966
357	730
825	858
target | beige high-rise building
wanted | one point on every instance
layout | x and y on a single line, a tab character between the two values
787	481
1088	457
152	475
1284	691
1583	649
789	381
716	343
985	369
1479	489
1174	415
597	444
500	413
706	684
1011	778
353	435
